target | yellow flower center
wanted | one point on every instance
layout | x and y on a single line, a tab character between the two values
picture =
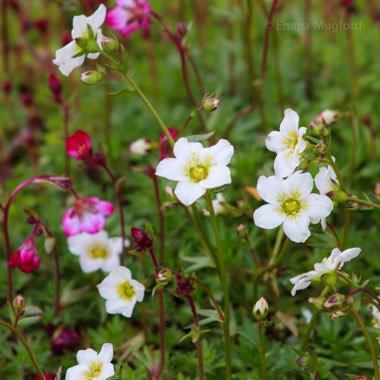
292	140
98	252
126	291
198	169
94	372
291	206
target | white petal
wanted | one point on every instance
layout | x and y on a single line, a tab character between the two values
121	274
107	370
301	142
97	19
290	122
299	286
88	264
76	372
285	163
188	192
85	357
77	244
93	55
268	216
218	175
79	27
221	153
184	149
270	189
296	228
348	255
274	142
116	306
300	184
172	168
110	263
106	353
116	245
128	310
318	206
139	289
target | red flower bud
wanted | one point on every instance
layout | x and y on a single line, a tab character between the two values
142	241
184	286
48	376
164	145
78	145
65	340
26	258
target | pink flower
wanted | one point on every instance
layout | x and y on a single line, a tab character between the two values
26	257
87	215
78	145
129	16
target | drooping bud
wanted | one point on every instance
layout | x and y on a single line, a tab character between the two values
210	104
26	258
260	310
91	77
141	240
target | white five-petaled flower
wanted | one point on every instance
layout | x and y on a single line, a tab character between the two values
287	143
329	264
93	366
96	251
87	37
197	168
121	292
292	204
326	181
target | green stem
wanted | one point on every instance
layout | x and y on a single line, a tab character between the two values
224	279
369	343
26	346
312	323
337	172
262	352
364	203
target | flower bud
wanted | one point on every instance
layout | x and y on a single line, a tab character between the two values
184	286
210	104
376	194
260	310
109	44
164	275
242	231
329	116
18	302
140	147
141	240
334	302
91	77
317	302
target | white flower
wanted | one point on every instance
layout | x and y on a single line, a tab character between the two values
328	265
288	144
291	204
93	366
121	292
326	180
73	55
96	251
375	317
140	147
218	204
328	116
197	168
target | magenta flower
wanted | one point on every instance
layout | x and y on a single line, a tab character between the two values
87	215
26	257
129	16
78	145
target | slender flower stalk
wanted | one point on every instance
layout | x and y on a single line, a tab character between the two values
225	286
363	202
312	322
161	219
369	343
161	311
22	340
119	196
61	182
262	351
201	371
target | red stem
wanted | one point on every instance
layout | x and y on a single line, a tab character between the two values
201	370
120	208
66	119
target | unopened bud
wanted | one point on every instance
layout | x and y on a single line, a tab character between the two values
260	310
109	44
140	147
18	302
210	104
317	302
141	240
242	231
340	197
164	275
91	77
377	191
322	149
184	286
334	302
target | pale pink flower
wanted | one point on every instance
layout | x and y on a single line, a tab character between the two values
129	16
87	215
